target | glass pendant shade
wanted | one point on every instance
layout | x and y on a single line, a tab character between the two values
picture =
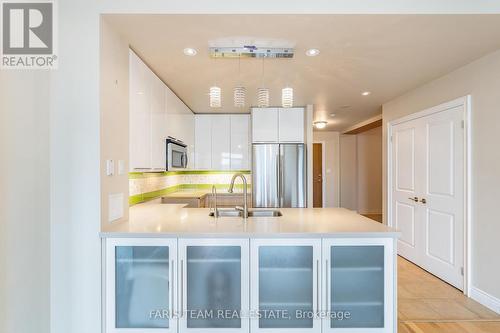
215	97
263	97
287	97
239	96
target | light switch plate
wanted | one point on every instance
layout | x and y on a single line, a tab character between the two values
115	206
110	167
121	167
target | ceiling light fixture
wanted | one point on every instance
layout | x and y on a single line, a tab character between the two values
215	93
262	97
262	92
332	115
320	124
190	51
366	93
312	52
215	97
239	92
287	97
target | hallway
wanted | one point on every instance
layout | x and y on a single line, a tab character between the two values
426	304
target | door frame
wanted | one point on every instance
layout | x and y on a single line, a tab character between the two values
464	101
323	156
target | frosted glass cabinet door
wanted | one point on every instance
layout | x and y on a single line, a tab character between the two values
140	285
358	285
285	279
214	285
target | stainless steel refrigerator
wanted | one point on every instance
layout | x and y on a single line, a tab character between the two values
279	175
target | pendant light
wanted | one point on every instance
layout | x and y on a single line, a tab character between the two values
239	92
215	94
262	92
287	97
215	97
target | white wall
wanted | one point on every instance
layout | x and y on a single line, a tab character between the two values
361	171
369	164
331	166
114	126
481	80
348	172
24	204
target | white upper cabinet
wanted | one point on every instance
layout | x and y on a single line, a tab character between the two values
291	125
240	142
221	142
180	124
265	125
203	141
274	125
140	115
155	112
158	124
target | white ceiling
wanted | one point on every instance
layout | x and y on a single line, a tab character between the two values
385	54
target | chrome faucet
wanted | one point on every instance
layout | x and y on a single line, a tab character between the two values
213	201
244	209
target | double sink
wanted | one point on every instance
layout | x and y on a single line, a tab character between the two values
231	212
239	211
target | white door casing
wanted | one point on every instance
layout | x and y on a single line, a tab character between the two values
428	162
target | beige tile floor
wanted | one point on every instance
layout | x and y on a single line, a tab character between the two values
426	304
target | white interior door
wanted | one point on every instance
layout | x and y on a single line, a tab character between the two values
405	187
428	192
443	197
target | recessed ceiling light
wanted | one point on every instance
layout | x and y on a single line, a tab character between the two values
366	93
190	51
320	124
312	52
332	115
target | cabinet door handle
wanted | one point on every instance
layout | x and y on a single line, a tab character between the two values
182	289
327	284
317	286
172	288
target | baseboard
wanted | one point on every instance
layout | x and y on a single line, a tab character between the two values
485	299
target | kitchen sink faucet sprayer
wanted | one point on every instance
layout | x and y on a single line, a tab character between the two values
244	209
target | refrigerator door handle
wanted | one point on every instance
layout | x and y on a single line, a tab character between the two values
278	180
282	179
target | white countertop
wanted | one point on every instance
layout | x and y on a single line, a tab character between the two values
154	219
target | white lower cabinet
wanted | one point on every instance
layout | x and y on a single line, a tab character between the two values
285	285
221	285
358	285
140	285
214	285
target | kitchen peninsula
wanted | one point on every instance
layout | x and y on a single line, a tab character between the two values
175	269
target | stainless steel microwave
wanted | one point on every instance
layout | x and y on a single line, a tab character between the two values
177	155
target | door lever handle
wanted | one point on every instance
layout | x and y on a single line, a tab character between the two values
414	199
